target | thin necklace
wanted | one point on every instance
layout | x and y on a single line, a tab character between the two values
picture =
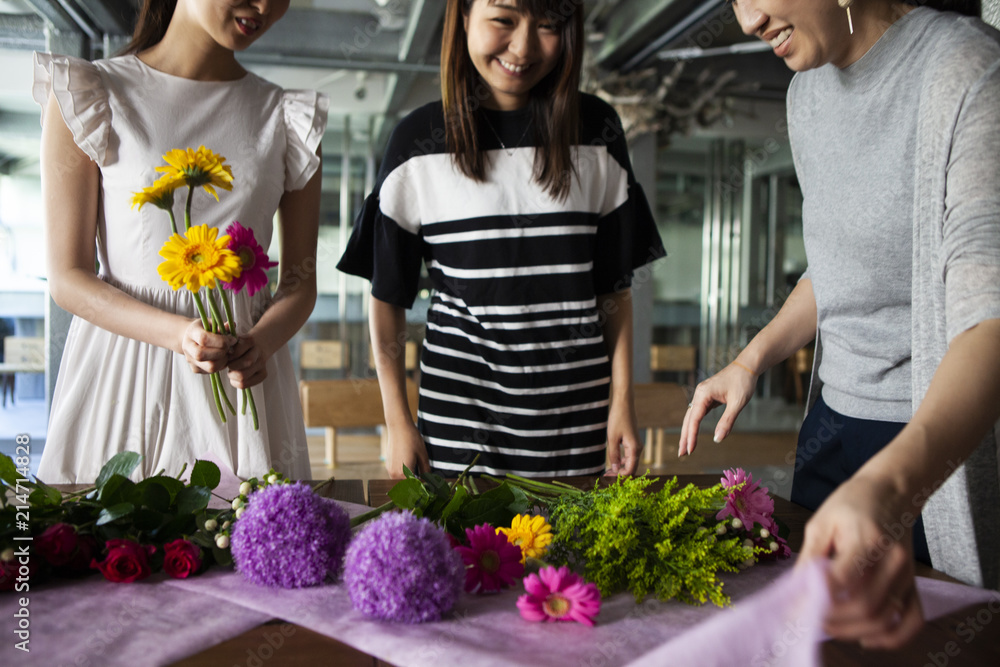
509	151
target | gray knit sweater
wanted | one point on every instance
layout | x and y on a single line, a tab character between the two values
954	63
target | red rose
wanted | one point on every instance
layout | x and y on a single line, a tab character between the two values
57	544
181	559
127	561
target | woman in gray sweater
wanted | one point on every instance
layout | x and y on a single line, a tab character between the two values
894	120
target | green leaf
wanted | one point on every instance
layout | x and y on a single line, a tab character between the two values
147	519
123	463
436	484
408	474
409	494
172	485
461	495
521	504
109	514
154	495
193	499
117	489
8	471
45	496
175	527
490	507
222	556
205	473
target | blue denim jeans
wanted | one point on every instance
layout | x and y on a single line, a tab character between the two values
831	448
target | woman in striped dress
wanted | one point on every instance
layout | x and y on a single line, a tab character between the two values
517	194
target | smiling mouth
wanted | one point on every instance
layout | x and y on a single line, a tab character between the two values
512	68
248	26
780	39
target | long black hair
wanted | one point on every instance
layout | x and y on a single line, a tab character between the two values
151	26
967	7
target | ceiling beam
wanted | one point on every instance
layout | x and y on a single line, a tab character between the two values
332	62
112	17
54	14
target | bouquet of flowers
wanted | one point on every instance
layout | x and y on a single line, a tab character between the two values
200	259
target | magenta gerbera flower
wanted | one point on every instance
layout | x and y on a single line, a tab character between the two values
253	259
491	562
749	503
559	595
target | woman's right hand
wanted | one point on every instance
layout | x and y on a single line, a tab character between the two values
204	351
406	447
733	387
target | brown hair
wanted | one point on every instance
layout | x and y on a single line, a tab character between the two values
151	26
554	101
967	7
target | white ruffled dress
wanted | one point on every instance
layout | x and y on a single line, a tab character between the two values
117	394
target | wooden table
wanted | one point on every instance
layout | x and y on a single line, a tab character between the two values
300	646
931	643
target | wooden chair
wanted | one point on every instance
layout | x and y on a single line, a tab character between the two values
352	403
682	359
21	354
658	406
323	355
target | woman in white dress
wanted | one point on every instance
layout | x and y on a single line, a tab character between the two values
133	373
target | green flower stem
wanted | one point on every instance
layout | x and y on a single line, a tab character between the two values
216	390
216	383
229	310
216	313
554	488
201	310
243	404
173	221
225	397
253	409
372	514
187	209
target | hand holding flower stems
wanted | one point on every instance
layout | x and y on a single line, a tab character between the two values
200	257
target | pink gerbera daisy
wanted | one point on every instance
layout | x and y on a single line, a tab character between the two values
253	259
559	595
491	562
746	501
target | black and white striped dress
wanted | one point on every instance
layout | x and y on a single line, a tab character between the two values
514	364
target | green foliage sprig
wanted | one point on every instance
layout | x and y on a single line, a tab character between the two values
663	543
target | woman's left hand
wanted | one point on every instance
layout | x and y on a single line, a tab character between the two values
867	532
624	445
247	363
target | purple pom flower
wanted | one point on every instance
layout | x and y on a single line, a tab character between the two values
403	569
290	537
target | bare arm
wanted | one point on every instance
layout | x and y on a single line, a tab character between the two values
388	330
624	445
298	224
879	604
733	386
70	190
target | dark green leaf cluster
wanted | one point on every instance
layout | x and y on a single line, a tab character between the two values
156	510
623	537
458	505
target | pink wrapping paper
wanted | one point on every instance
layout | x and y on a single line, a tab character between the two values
487	631
96	623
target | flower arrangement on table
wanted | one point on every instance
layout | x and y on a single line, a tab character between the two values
124	529
201	259
409	566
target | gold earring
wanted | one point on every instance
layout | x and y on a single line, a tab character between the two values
846	4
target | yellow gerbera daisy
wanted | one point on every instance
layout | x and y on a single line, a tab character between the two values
160	194
532	533
199	167
198	259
